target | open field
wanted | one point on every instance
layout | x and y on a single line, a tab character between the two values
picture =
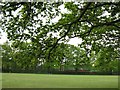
14	80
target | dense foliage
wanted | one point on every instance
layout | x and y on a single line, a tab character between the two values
40	31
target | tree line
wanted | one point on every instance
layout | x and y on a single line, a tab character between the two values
67	58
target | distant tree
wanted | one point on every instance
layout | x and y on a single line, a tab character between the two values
18	60
107	60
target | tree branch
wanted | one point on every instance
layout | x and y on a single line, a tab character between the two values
68	30
103	4
116	26
112	23
108	23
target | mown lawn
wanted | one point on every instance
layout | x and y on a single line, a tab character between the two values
14	80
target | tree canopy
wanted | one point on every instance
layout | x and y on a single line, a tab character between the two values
48	29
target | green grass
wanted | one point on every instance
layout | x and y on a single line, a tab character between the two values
14	80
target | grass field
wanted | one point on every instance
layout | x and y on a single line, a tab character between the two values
15	80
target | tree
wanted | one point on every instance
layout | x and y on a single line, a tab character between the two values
106	60
97	23
69	57
19	59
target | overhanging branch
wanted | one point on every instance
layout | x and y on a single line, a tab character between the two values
112	23
69	27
